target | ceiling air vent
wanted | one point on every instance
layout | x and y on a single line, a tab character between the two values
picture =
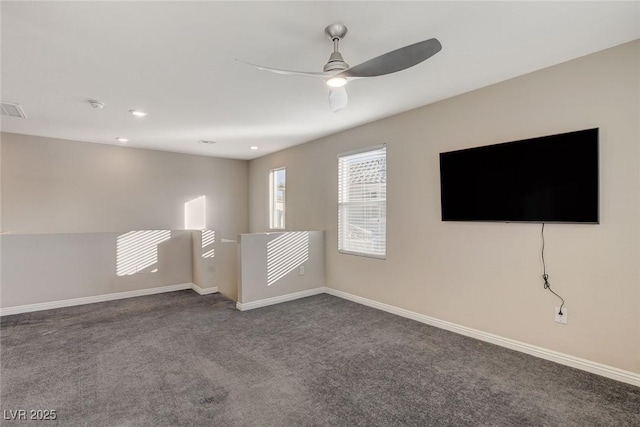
13	110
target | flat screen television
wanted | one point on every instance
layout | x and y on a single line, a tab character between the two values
546	179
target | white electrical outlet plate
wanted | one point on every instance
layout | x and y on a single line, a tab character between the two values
561	318
302	270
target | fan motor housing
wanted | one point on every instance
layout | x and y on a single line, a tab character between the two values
336	62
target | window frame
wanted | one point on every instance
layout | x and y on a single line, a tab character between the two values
376	204
273	199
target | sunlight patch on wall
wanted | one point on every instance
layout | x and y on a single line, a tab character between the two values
137	251
286	253
195	214
208	239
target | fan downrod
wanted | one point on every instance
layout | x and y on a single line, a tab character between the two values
336	63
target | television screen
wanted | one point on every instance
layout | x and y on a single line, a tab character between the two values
547	179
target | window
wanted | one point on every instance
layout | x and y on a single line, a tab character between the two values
277	189
362	206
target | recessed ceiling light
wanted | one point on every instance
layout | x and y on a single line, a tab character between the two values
204	141
138	113
254	147
121	139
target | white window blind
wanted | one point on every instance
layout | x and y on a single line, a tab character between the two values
362	203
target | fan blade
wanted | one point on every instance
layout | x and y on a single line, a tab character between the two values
338	98
396	60
288	72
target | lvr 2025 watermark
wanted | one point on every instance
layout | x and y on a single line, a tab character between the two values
29	414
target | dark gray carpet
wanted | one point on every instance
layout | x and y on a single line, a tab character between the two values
184	359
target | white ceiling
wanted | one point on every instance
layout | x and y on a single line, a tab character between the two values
176	60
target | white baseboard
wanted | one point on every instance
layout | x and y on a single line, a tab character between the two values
277	300
204	291
102	298
543	353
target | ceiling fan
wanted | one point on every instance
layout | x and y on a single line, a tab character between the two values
336	72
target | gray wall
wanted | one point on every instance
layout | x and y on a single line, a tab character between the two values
58	186
487	275
52	189
253	285
41	268
219	271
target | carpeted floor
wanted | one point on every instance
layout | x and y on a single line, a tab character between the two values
188	360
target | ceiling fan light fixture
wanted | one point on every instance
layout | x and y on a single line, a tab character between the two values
336	82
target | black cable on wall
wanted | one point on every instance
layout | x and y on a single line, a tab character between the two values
545	276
